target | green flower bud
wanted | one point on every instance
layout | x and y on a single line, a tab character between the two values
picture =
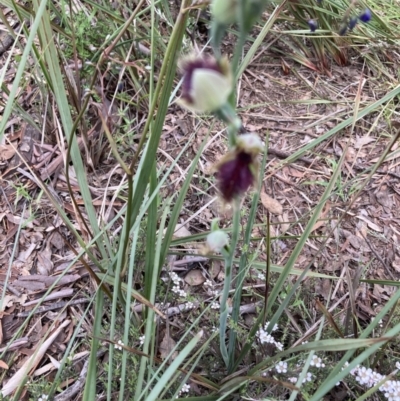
216	241
224	11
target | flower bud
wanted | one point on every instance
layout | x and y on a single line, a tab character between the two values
216	241
343	28
366	15
207	84
353	23
251	143
313	25
224	11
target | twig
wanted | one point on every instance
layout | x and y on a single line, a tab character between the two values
67	394
57	305
58	294
378	256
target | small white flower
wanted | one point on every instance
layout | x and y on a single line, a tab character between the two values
43	397
293	379
386	387
141	339
175	278
185	388
188	305
208	283
364	375
118	345
354	371
375	378
276	327
317	362
261	276
308	377
215	305
281	367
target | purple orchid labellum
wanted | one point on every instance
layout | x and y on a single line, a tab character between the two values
235	176
237	172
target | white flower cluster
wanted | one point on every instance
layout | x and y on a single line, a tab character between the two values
185	389
370	378
119	345
209	285
266	338
214	305
281	367
308	378
141	339
187	306
317	362
261	276
43	397
177	281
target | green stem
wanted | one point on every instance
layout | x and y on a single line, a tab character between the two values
227	283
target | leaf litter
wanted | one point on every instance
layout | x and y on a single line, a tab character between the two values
33	251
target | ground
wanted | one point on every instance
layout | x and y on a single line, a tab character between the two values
288	104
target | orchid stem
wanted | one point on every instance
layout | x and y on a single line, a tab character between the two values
228	257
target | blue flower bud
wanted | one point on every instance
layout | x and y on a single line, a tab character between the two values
343	29
313	25
366	15
352	23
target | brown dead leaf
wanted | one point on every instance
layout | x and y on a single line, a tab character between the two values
353	239
370	224
351	154
384	199
3	365
57	240
216	267
323	216
194	277
166	346
181	231
31	363
44	263
284	222
271	204
364	140
9	301
7	152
